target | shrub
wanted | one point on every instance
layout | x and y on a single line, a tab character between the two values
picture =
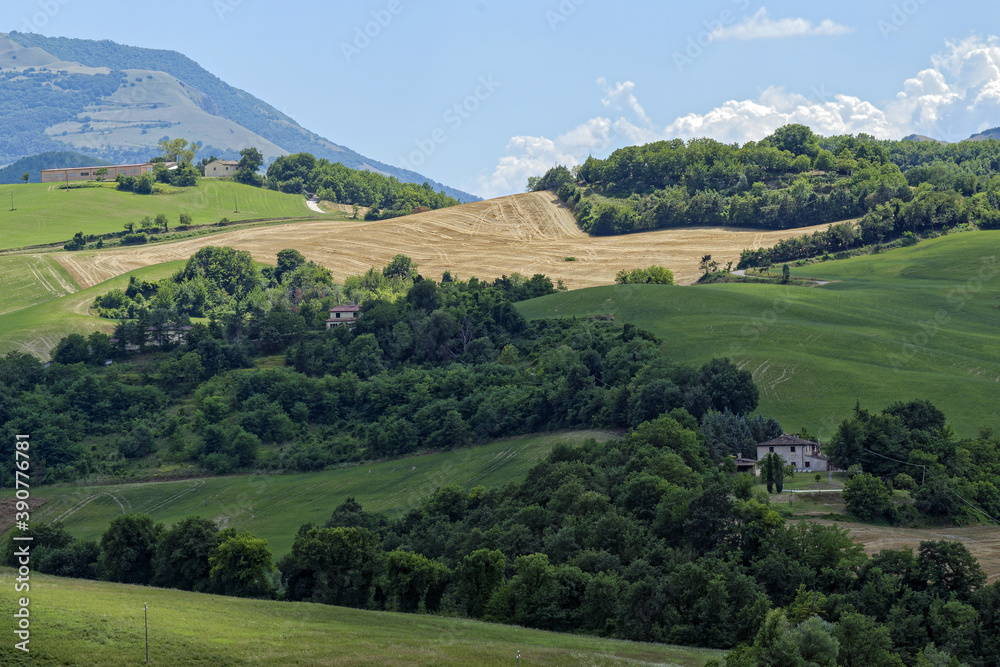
77	243
904	482
134	239
868	498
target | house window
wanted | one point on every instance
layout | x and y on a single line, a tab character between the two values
338	316
807	464
793	448
85	173
771	449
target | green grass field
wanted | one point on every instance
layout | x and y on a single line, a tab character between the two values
79	622
28	280
35	325
274	506
45	214
916	323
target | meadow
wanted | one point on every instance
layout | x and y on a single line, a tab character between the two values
79	622
32	279
44	213
35	319
274	506
914	323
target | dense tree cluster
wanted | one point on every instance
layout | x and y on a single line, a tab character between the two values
431	366
643	537
387	196
192	555
790	179
949	479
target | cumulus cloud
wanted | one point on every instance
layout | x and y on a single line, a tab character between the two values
956	97
762	26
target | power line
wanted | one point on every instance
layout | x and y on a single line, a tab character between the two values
915	465
954	493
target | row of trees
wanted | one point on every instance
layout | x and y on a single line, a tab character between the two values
924	211
790	179
387	196
192	555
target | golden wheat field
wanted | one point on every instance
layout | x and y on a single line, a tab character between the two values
527	233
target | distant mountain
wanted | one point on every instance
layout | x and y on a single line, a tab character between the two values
986	134
116	102
921	137
51	160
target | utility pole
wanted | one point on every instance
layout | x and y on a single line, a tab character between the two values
236	203
145	616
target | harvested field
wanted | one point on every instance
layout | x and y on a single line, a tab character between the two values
982	541
527	233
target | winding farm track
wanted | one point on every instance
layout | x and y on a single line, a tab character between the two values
526	233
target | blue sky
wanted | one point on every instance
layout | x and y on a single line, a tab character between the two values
481	94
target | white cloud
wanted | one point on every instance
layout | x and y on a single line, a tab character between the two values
957	97
762	26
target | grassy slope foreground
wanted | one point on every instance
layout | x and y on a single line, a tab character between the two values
920	322
77	622
274	506
45	214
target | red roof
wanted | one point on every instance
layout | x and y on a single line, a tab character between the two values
348	308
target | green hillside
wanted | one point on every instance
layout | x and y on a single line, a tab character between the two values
32	279
78	622
46	214
919	322
37	318
274	506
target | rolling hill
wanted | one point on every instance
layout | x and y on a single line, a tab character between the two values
915	323
79	622
44	213
115	102
527	233
274	506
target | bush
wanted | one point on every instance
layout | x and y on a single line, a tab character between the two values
904	482
78	242
868	498
134	239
